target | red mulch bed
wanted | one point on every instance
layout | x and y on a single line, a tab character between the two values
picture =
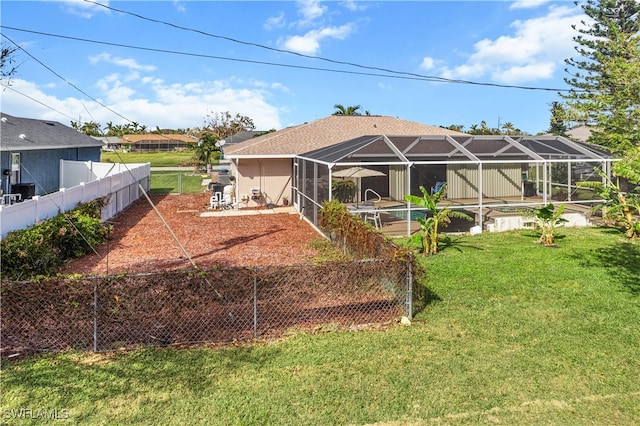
142	243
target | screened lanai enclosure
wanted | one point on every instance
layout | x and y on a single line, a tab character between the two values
493	179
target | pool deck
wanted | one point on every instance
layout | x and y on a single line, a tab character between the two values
493	210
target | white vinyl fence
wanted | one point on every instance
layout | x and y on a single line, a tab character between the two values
80	182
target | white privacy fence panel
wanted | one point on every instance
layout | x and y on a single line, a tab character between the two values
73	173
72	197
47	206
119	182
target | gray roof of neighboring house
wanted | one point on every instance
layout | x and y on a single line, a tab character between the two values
580	133
40	134
108	140
328	131
242	136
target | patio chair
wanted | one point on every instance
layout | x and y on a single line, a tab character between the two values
226	199
373	217
215	200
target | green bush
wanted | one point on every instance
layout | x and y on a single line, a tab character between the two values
42	248
361	239
343	190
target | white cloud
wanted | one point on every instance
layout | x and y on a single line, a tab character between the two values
180	6
277	21
129	63
310	13
279	86
466	71
302	44
355	5
310	10
84	9
515	74
259	84
427	63
535	49
527	4
309	43
160	104
104	83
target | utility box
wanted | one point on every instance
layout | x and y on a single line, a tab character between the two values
216	187
26	190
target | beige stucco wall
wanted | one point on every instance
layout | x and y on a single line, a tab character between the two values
271	178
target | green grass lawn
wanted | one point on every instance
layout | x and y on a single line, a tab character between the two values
163	182
157	159
514	333
176	183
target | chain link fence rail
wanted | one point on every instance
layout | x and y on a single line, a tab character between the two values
191	307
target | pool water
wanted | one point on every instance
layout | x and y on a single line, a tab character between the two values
402	214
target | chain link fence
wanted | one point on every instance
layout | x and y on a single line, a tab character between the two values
163	182
191	307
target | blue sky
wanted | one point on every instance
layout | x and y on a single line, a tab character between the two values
247	57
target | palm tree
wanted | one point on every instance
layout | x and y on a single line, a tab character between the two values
438	218
350	110
456	127
508	128
90	128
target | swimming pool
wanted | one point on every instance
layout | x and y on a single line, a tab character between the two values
402	214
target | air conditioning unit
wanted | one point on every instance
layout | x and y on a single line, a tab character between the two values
255	193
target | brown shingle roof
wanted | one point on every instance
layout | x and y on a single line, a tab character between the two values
326	132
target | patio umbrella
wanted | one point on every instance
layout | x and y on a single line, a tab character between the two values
358	173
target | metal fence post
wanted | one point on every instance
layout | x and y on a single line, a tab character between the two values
95	316
409	301
255	306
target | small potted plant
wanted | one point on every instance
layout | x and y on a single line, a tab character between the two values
285	200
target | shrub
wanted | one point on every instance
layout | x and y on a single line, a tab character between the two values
438	217
547	219
361	239
42	248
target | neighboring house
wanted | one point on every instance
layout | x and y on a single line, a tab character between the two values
580	133
264	166
242	136
157	142
109	143
31	150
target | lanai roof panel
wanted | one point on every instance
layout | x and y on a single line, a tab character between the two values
429	146
432	148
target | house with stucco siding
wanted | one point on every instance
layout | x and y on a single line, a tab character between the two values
264	166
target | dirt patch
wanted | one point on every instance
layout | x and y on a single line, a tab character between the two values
142	243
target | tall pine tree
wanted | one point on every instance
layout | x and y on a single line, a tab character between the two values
605	79
557	124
